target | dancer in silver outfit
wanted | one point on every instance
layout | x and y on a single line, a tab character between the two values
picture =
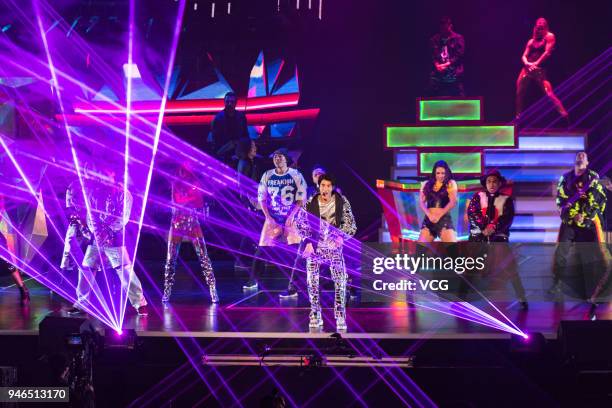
78	235
188	207
327	222
106	221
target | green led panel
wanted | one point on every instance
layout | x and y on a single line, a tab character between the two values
464	109
450	136
462	186
464	163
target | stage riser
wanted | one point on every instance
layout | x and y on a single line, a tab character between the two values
534	168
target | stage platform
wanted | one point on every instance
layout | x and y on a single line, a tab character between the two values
195	354
261	314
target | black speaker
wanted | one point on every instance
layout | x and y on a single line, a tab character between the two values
54	332
586	342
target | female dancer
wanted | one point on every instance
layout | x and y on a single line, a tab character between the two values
9	241
437	197
188	206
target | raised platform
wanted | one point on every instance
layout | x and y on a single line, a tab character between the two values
236	353
534	165
261	314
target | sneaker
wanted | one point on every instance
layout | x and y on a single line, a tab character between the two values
75	311
340	324
289	293
143	311
251	284
315	321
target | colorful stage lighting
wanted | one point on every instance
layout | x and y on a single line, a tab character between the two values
461	163
450	136
450	109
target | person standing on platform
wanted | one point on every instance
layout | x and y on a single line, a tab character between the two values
249	169
581	201
438	196
537	52
281	193
187	207
228	127
78	235
9	242
110	212
607	183
491	211
331	223
317	171
447	49
490	214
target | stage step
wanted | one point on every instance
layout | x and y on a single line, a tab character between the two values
533	236
531	159
536	222
534	175
547	140
533	205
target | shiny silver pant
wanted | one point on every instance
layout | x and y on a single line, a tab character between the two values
174	245
74	248
117	259
335	259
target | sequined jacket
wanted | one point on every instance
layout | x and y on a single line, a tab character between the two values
309	221
486	209
107	217
581	195
188	207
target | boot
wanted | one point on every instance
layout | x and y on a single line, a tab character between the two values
340	324
214	298
167	289
315	320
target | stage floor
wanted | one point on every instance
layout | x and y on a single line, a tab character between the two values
262	314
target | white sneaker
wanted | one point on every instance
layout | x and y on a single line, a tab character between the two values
340	324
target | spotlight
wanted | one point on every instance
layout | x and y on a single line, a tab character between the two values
118	339
527	343
131	71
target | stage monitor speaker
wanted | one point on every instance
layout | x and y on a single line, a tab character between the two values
54	332
586	342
